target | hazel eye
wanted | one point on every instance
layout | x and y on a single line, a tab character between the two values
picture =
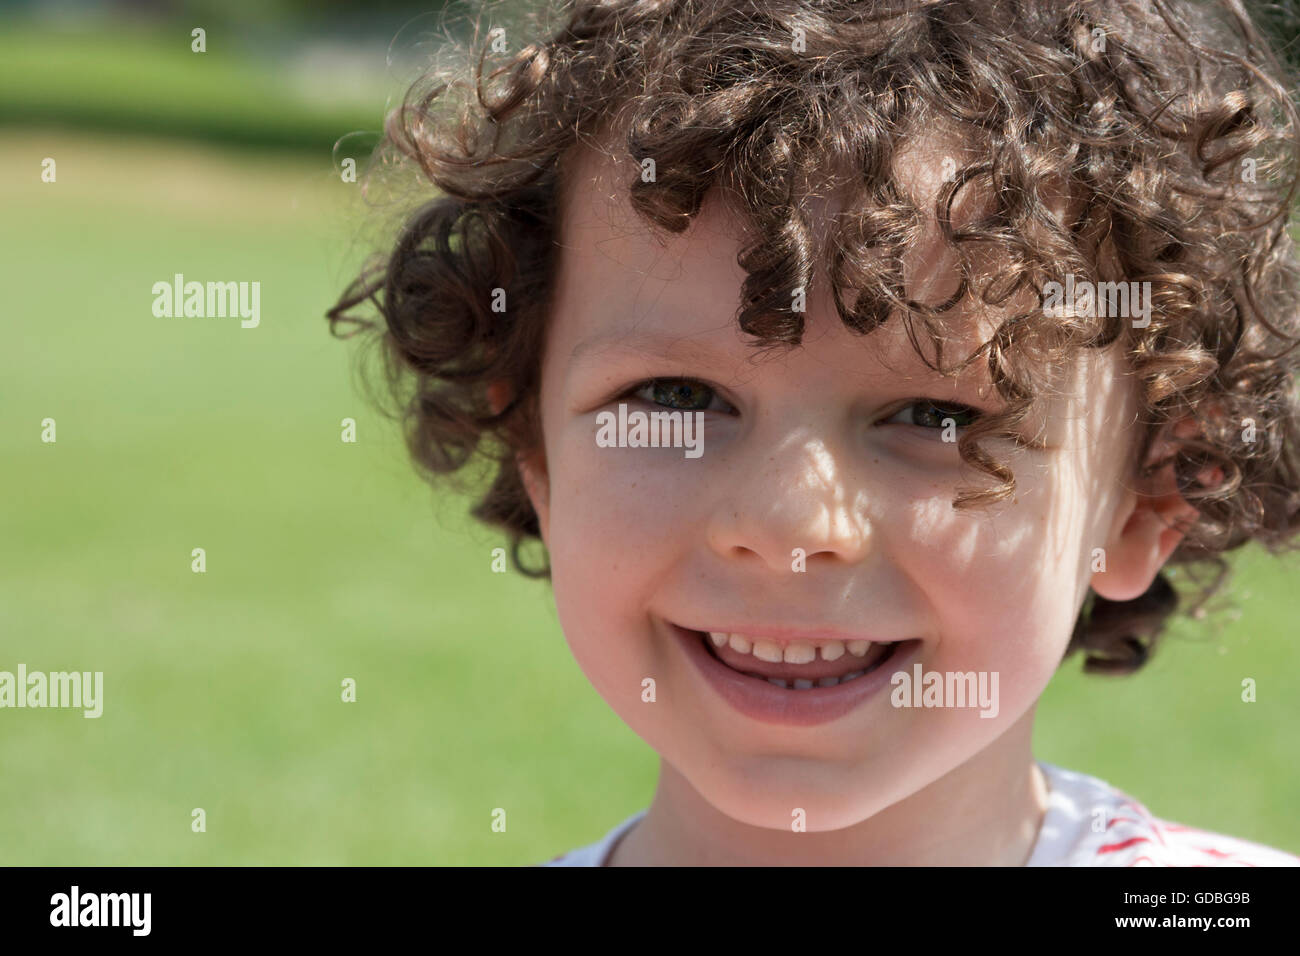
684	394
932	415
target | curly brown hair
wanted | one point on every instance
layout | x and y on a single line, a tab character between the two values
1171	125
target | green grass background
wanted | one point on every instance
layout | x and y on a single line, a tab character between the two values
148	80
328	560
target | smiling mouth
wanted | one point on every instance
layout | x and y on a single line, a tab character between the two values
798	665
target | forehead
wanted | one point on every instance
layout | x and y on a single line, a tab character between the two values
622	281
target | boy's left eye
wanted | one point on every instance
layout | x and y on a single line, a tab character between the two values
931	414
685	394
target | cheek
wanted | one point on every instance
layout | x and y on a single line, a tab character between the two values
612	515
614	512
1001	586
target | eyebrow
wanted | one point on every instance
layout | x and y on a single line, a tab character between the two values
681	348
676	347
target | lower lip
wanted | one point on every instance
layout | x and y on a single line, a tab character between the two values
771	704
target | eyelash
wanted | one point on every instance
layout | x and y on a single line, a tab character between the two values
943	407
655	381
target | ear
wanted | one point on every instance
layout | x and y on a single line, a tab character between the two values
1150	521
532	468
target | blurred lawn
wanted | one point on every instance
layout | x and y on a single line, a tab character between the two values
147	80
327	560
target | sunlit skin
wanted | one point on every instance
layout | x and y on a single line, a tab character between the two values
819	449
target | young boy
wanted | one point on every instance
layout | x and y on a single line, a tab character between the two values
1022	318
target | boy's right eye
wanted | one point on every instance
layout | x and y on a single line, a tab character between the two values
934	413
682	394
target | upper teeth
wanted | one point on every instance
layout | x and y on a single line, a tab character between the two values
796	652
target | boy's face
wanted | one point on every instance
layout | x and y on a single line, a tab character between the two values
816	449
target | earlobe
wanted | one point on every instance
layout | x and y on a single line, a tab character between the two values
498	394
1137	554
532	469
1148	526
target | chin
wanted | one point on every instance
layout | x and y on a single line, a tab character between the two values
768	798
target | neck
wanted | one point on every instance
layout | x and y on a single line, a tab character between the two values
985	812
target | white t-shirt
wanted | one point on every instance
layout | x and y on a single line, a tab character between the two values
1088	823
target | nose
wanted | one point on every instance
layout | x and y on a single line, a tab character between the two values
796	494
